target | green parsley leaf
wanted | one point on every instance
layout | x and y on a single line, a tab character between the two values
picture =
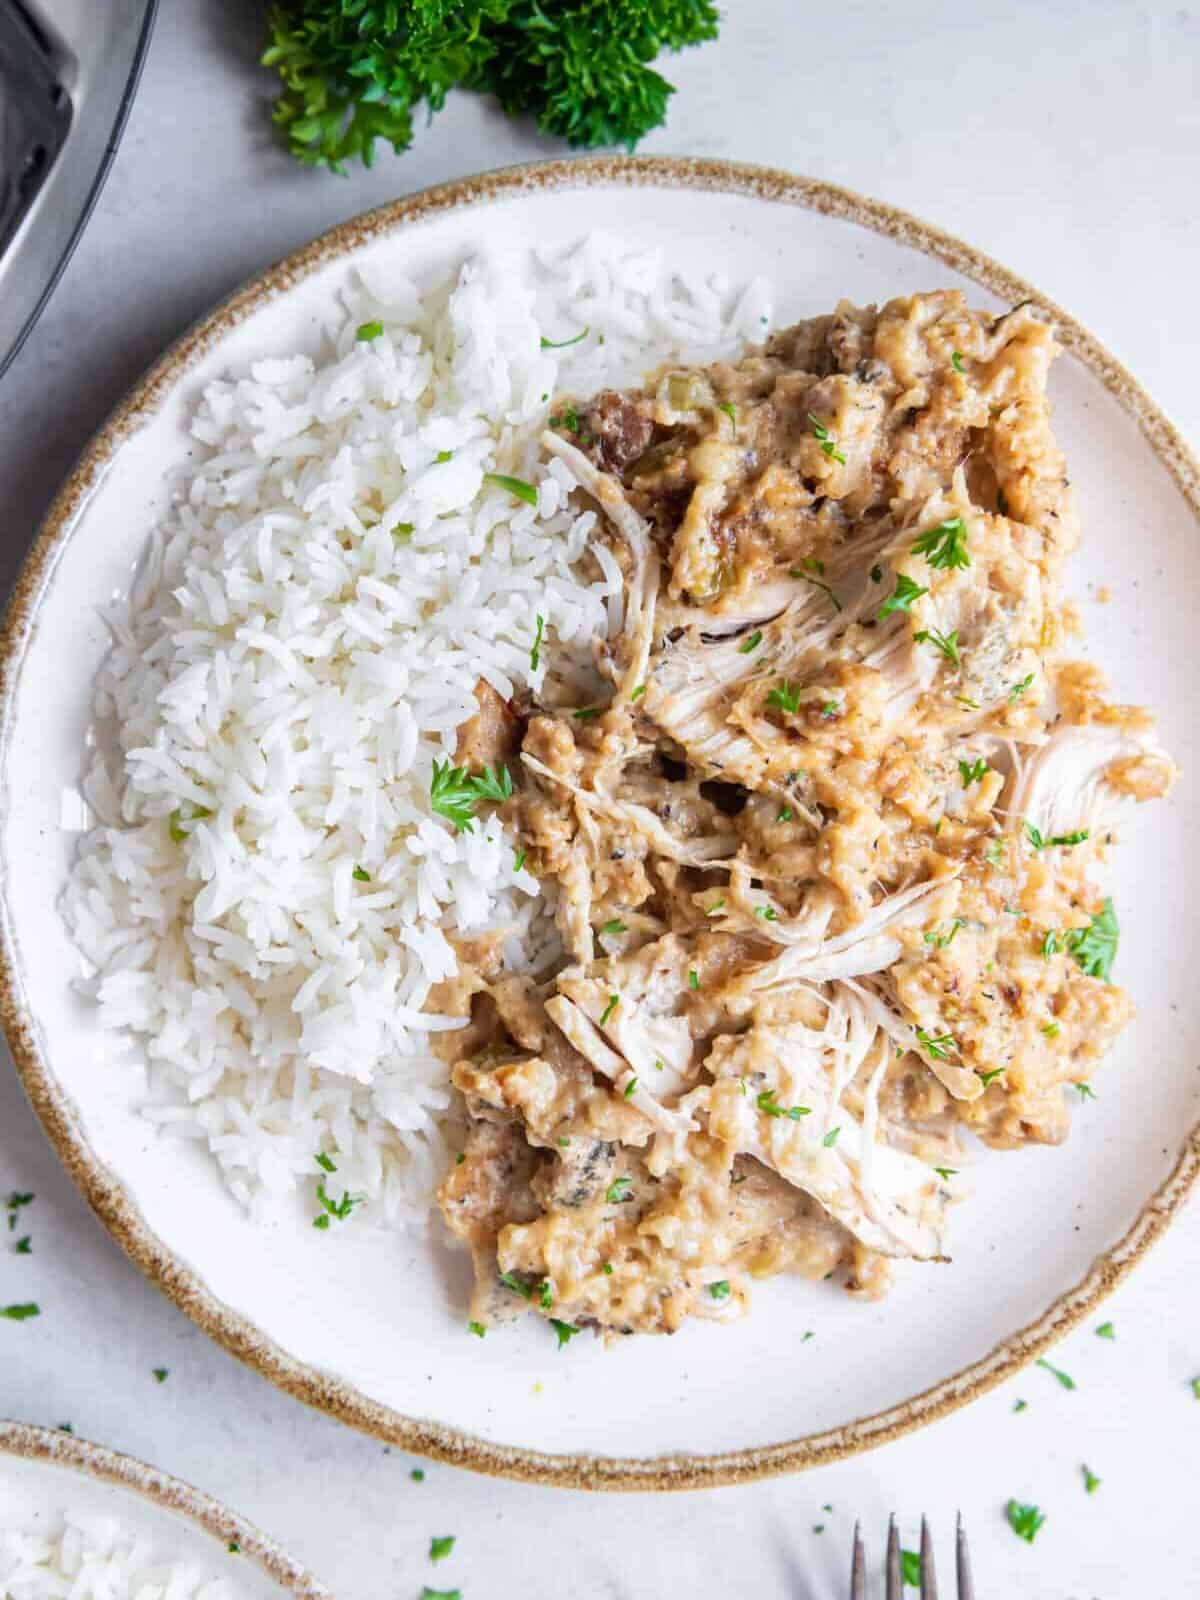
477	1328
615	926
752	642
14	1203
901	598
1090	1481
630	1089
1086	1092
183	819
161	1374
24	1246
607	1269
693	979
443	456
910	1569
939	941
712	910
440	1594
568	420
937	1045
439	1549
1051	1029
326	1163
766	913
1024	1520
21	1313
947	643
946	1172
535	655
728	407
973	771
321	1221
1196	1388
361	875
234	1548
965	700
784	698
337	1210
454	792
511	1281
785	815
1020	1405
1039	841
545	1296
586	713
417	1475
518	860
366	331
956	360
770	1107
614	1000
825	439
1063	1377
619	1191
403	532
515	486
988	1078
994	854
1095	947
638	692
720	1290
944	546
563	344
1106	1331
1019	688
830	1138
566	1331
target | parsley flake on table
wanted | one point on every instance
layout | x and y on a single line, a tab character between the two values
21	1313
1090	1481
563	344
825	439
23	1246
1106	1331
440	1548
477	1328
234	1548
417	1475
517	487
944	546
1065	1378
901	597
566	1331
15	1203
440	1594
910	1568
1086	1092
1020	1405
1024	1520
1196	1388
161	1374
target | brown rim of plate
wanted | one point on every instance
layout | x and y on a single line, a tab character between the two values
102	1189
61	1449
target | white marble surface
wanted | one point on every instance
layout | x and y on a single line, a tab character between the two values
1062	138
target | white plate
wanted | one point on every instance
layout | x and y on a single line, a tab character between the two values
372	1327
44	1475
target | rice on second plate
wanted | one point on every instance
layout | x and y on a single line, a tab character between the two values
268	896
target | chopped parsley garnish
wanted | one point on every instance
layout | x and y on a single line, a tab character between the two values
720	1289
566	1331
1019	688
937	1045
338	1210
417	1475
21	1313
767	913
830	1138
568	420
161	1374
366	331
443	456
638	692
607	1269
1086	1092
1095	947
994	854
973	771
562	344
454	792
1196	1388
439	1549
988	1078
944	546
830	709
1051	1029
361	875
1065	1378
817	583
750	643
770	1107
65	1427
1024	1520
910	1568
563	1143
234	1548
1020	1405
586	713
693	979
180	822
939	941
24	1246
615	926
477	1328
784	698
728	407
946	1172
786	814
630	1089
965	700
535	654
825	439
956	360
545	1295
1106	1331
326	1163
715	907
619	1191
947	643
440	1594
518	860
403	531
1090	1481
901	598
614	1000
1039	841
515	486
511	1281
14	1203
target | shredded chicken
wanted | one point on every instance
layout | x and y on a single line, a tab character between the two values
825	863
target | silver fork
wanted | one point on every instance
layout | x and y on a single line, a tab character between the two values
892	1570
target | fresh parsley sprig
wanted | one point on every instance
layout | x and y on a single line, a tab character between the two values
454	792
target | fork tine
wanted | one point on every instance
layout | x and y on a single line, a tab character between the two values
966	1588
858	1568
894	1579
928	1575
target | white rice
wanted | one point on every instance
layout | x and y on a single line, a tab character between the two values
94	1558
292	660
